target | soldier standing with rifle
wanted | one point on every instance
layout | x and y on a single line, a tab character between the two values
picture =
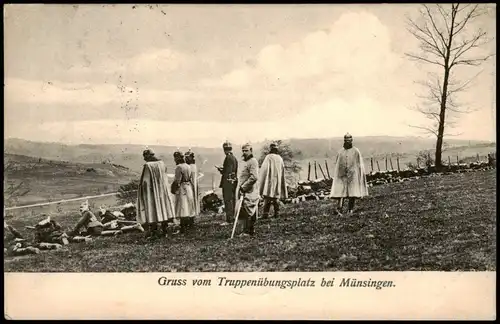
228	182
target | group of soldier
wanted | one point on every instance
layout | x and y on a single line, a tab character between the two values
161	204
254	183
164	209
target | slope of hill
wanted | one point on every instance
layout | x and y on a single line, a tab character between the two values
42	180
129	156
21	165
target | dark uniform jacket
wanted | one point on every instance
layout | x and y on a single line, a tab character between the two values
229	172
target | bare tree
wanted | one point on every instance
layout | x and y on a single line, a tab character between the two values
446	42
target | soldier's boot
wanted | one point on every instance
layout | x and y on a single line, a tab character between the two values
276	207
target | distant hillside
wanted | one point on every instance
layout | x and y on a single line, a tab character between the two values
44	180
21	165
130	156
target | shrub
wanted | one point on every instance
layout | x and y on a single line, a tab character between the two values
128	192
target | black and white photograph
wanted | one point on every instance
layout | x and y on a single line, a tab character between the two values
191	138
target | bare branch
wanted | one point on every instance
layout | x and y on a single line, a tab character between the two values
464	86
452	104
463	8
442	50
453	107
439	88
430	115
435	90
426	129
468	45
445	15
433	47
416	57
459	109
473	61
461	24
431	18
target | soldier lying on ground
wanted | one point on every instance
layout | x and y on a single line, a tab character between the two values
17	245
108	216
13	242
48	234
129	212
105	223
114	223
49	231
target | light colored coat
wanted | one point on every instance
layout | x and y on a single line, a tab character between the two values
154	203
272	177
184	196
194	181
349	177
249	185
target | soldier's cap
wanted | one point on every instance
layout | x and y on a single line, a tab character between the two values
247	146
189	153
227	145
347	135
178	154
148	151
273	145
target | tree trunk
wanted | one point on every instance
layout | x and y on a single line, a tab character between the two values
442	112
442	115
444	96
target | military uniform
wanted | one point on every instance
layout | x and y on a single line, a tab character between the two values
250	191
229	182
272	182
182	189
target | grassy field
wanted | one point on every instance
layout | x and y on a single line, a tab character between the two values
445	223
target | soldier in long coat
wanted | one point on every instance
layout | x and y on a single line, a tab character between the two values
154	203
191	161
182	189
272	184
229	182
250	191
349	177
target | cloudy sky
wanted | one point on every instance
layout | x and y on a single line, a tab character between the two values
201	74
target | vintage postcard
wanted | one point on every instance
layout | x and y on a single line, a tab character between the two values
182	161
